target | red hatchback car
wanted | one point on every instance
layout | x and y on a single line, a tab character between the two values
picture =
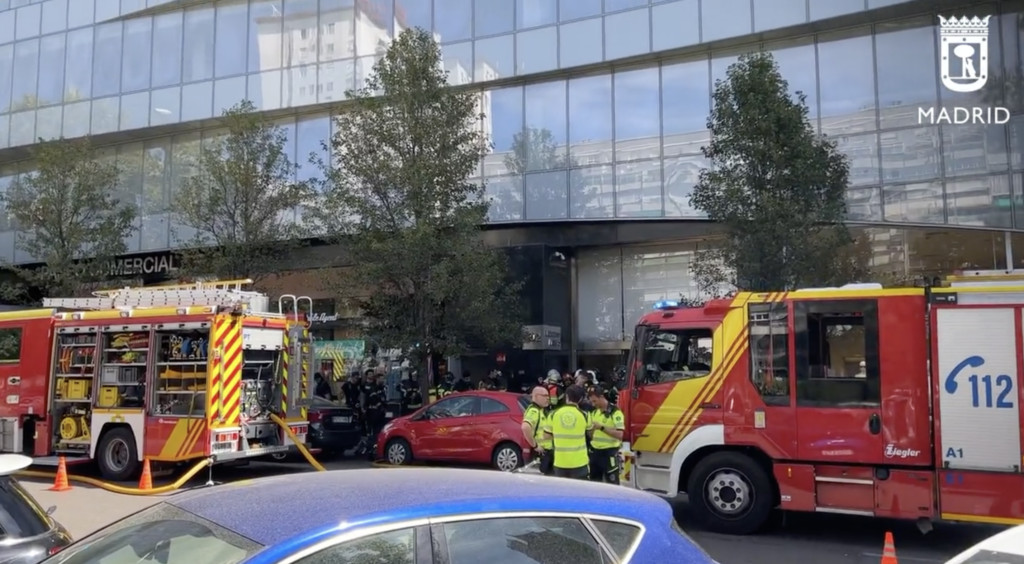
470	427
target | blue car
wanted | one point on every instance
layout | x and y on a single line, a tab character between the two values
399	516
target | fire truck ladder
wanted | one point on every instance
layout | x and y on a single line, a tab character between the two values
227	293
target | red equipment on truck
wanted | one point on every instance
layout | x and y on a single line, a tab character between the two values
172	374
898	403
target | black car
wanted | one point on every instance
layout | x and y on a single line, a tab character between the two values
28	534
333	428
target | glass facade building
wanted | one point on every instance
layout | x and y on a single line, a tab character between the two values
596	110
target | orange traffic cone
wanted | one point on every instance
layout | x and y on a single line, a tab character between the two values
60	484
146	481
889	551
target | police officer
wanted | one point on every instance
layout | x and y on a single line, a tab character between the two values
609	425
567	427
412	399
534	418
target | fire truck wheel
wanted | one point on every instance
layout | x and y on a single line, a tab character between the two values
730	493
117	457
398	452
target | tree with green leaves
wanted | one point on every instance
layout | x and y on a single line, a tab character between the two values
403	157
71	217
774	184
237	213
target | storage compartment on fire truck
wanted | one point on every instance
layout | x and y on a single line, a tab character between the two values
181	372
261	374
73	388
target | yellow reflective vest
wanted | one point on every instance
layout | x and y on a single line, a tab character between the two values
568	426
611	418
535	415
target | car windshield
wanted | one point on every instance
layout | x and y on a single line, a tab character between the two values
20	514
162	534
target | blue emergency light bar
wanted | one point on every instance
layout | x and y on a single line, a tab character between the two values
666	305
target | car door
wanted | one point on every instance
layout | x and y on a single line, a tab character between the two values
456	435
490	427
432	433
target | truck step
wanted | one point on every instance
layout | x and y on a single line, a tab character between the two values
54	460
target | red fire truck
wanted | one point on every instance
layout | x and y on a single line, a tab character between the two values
173	374
899	403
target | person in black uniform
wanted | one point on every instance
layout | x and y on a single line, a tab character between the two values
586	379
447	386
412	399
494	382
350	389
375	399
464	384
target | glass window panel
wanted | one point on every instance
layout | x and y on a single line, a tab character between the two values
458	61
974	149
156	185
914	203
872	4
775	14
26	69
7	26
298	88
55	16
27	20
503	126
80	12
655	273
412	13
135	111
592	192
107	46
6	80
361	70
132	6
910	155
797	66
491	17
906	70
546	195
822	9
106	115
687	103
505	196
138	39
590	120
535	13
336	37
864	204
48	124
333	80
310	134
166	106
453	19
862	155
23	128
676	24
265	40
130	160
627	34
287	125
107	10
232	35
197	62
846	80
537	50
495	58
637	115
185	151
975	201
581	43
167	34
76	119
51	70
720	63
543	145
265	90
638	189
574	9
681	176
197	101
228	92
721	19
599	308
616	5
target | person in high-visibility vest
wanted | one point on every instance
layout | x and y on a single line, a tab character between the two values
567	427
609	426
534	418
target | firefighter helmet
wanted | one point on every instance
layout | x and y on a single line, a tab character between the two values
553	377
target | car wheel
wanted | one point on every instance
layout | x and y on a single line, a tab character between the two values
279	456
117	456
731	493
507	457
398	452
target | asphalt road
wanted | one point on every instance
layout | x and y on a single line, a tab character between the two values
811	538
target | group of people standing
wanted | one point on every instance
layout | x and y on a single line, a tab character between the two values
575	428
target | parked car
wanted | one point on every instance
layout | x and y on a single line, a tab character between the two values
399	516
476	427
1005	547
28	533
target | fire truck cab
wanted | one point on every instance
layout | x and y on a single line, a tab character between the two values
172	374
898	403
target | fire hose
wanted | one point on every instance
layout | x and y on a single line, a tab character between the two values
178	484
295	439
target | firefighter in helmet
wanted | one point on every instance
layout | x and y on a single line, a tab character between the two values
412	399
553	383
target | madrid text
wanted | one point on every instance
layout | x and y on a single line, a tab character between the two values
959	116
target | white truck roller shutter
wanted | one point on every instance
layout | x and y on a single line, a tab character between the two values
979	391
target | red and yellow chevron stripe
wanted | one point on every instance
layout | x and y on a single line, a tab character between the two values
213	384
285	363
306	376
231	374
